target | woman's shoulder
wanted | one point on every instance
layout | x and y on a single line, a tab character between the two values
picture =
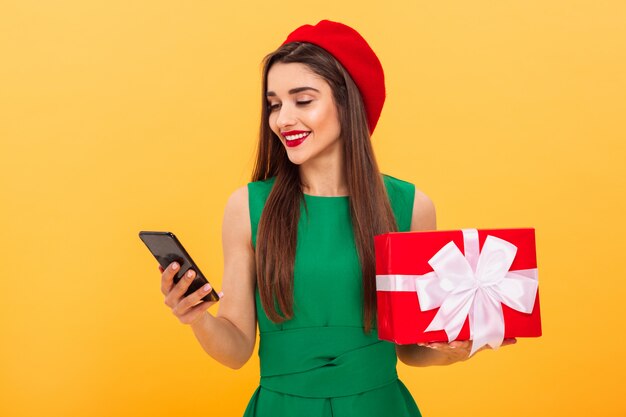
261	188
410	203
236	228
258	191
397	187
391	180
401	194
269	182
237	203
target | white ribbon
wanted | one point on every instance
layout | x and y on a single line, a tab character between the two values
474	285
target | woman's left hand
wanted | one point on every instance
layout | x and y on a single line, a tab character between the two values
459	350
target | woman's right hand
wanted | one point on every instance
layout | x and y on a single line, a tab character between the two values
188	309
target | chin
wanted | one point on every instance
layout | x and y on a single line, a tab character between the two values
295	161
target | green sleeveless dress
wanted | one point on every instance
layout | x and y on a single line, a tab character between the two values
321	363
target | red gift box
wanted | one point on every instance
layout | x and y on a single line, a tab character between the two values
485	277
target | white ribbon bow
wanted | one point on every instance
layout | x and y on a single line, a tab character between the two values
471	285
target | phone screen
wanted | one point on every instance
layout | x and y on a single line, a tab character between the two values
166	248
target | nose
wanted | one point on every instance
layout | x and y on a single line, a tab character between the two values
286	117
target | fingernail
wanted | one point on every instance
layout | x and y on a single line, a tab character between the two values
221	294
206	287
189	274
174	266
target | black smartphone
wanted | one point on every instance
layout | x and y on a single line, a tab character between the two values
166	248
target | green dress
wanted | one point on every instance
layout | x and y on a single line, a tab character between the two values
321	363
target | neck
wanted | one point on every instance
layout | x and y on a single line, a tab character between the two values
324	177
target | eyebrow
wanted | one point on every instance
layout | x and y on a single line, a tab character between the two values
292	91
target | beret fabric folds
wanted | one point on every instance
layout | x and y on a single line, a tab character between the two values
356	56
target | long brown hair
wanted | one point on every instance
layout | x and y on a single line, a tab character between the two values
370	210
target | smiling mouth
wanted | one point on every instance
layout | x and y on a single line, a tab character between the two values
295	139
296	136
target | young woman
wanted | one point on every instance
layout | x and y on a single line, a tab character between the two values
298	242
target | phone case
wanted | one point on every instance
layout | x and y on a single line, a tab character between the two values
166	248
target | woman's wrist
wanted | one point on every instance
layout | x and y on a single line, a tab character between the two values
201	322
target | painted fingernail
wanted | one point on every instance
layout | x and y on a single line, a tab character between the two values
174	266
206	287
189	274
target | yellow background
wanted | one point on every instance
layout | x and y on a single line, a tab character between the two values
121	116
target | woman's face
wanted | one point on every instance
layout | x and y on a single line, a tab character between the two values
303	113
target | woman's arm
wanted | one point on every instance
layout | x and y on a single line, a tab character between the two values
423	218
228	337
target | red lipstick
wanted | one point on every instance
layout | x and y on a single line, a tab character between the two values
297	137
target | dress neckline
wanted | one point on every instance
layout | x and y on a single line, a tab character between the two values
325	196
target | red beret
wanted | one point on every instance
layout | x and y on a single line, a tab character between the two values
356	56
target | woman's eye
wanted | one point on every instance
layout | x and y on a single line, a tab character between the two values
276	106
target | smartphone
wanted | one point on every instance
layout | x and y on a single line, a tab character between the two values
166	248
